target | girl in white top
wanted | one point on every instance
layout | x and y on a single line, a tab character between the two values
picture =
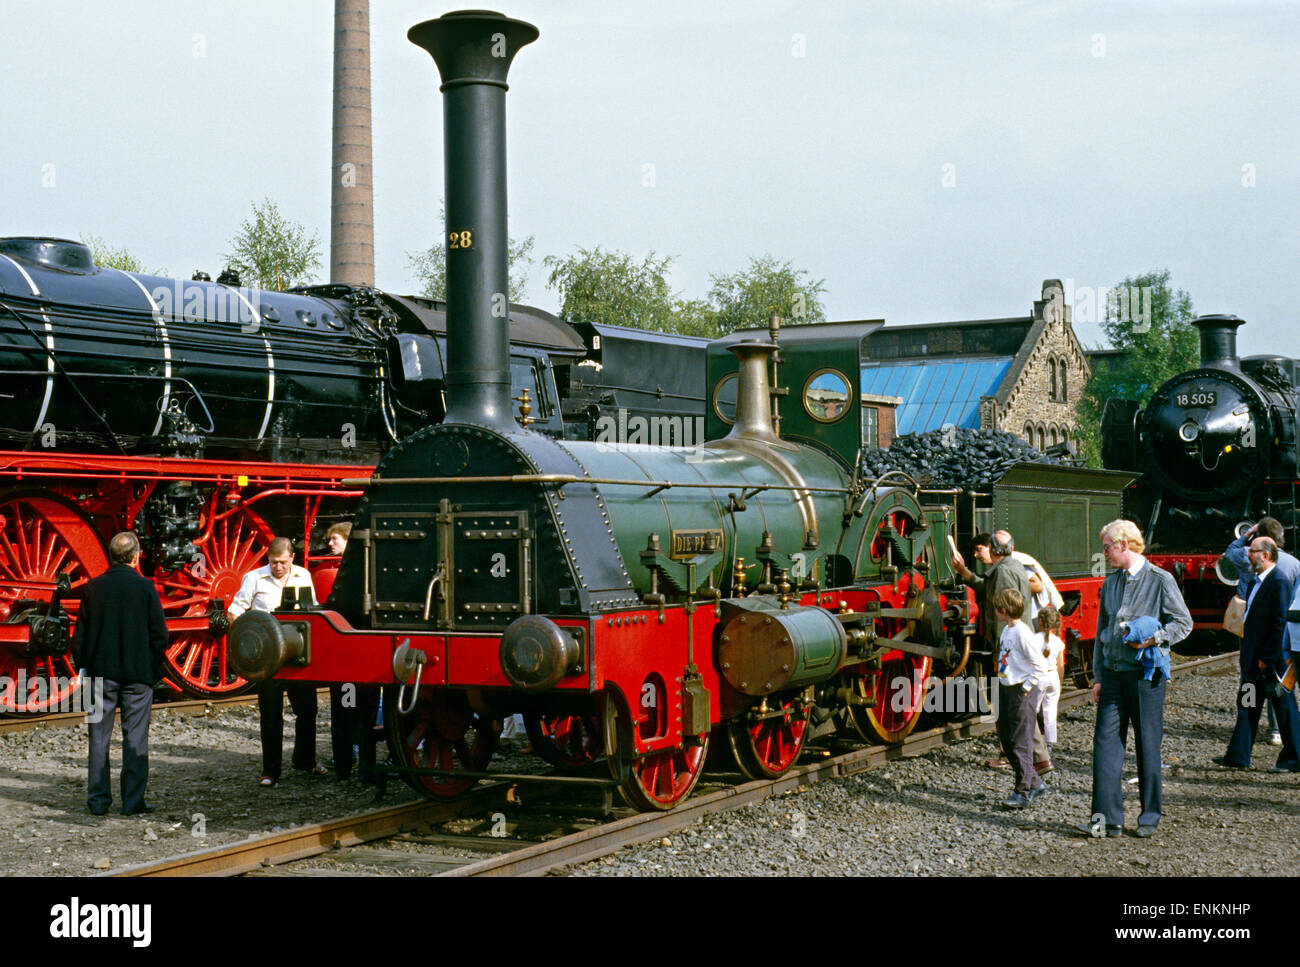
1048	640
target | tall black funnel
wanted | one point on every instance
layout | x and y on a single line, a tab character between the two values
473	50
1219	341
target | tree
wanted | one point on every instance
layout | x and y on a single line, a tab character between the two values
611	287
1151	323
271	252
430	266
750	297
108	257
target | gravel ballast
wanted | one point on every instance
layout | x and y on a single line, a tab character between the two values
939	814
202	779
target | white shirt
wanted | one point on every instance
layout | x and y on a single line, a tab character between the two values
261	592
1049	594
1020	658
1053	645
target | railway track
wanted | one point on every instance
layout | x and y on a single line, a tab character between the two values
557	836
64	720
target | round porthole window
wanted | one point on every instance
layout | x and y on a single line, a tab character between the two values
724	398
826	395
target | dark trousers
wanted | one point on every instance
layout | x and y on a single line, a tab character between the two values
1017	722
135	699
1128	699
1251	696
353	723
270	703
1041	752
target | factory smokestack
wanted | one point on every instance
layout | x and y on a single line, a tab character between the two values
352	200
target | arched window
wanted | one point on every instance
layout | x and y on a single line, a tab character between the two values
1051	389
1051	435
1065	434
1029	433
1062	381
1042	437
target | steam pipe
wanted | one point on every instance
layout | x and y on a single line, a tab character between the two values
473	50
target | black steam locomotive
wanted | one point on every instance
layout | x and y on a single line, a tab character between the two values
100	360
1218	447
210	418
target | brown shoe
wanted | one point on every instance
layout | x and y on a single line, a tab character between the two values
998	764
1043	767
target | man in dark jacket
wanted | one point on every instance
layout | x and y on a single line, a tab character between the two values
120	638
1263	660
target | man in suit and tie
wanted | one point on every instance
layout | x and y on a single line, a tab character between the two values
120	638
1263	661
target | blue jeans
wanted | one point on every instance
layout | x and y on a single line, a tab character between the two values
1126	698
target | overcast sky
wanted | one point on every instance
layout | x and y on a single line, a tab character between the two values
930	161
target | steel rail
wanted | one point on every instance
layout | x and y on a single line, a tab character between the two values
592	844
186	706
258	852
536	859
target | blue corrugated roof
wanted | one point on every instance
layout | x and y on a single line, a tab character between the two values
936	391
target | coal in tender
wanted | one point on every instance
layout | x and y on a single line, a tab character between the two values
953	457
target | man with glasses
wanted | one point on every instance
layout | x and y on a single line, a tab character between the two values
1288	572
1136	595
1263	661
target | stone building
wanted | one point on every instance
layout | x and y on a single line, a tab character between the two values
1022	374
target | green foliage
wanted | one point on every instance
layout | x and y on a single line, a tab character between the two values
1156	347
694	317
614	288
271	252
430	267
108	257
743	300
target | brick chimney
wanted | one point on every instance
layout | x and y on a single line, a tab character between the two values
352	201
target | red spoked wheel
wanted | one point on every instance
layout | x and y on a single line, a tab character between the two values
657	781
41	536
565	740
195	661
898	691
767	740
443	732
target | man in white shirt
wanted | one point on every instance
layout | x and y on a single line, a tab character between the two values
263	590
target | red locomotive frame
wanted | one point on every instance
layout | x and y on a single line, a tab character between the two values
57	512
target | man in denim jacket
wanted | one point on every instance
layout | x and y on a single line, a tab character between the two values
1135	589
